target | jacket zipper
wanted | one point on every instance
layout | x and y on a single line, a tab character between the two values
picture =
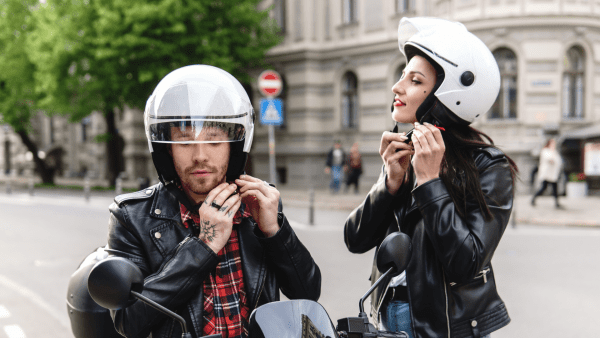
483	273
262	286
446	294
261	290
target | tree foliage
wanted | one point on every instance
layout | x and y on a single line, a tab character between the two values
17	94
18	98
106	53
98	55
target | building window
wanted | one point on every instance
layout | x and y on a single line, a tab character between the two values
505	106
283	97
51	130
349	11
404	6
85	123
327	20
349	101
573	83
279	13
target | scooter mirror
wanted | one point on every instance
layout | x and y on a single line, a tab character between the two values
395	251
111	281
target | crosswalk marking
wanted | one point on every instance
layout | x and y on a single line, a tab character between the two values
14	331
4	312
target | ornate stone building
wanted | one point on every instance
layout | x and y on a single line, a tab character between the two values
339	60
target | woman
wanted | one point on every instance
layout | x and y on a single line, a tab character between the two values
448	189
549	171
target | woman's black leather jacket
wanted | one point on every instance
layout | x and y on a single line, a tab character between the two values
450	280
145	227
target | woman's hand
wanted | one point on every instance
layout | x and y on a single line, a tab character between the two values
216	215
429	152
262	201
396	157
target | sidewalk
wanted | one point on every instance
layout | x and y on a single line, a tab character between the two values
580	212
583	212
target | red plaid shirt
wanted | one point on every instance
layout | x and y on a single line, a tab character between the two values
225	305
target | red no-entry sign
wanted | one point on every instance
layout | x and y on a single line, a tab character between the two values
269	83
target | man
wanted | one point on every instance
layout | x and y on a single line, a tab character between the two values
335	159
213	245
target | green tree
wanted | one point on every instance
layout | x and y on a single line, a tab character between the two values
104	55
18	99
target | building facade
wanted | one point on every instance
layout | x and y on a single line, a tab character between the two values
339	60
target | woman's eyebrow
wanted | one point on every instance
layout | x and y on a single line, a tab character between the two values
417	72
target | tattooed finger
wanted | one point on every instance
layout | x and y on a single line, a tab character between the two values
223	208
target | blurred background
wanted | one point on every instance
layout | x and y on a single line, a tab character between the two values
75	76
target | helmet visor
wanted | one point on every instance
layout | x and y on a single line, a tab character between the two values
197	111
196	131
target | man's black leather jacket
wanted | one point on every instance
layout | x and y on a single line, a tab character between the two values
145	227
451	286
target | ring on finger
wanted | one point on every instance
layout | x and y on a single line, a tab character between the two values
215	205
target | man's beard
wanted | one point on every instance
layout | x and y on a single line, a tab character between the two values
201	185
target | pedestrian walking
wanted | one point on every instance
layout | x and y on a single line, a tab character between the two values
336	157
353	168
447	187
549	171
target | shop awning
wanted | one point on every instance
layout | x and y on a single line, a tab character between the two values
581	134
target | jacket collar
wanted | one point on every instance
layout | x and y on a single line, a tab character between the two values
165	205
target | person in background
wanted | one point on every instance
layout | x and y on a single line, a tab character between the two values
353	168
335	159
549	171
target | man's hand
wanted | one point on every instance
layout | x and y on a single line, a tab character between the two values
262	201
396	157
216	215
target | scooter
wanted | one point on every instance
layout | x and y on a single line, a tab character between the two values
115	283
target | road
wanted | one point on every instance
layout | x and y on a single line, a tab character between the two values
546	275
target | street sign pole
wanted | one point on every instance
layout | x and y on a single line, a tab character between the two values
272	176
270	85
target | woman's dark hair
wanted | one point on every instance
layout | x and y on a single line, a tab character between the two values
459	171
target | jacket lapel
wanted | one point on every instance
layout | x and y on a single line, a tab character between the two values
253	261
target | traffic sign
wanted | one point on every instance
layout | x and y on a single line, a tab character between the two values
271	112
269	83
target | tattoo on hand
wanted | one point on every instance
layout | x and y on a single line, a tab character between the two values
207	231
230	213
223	208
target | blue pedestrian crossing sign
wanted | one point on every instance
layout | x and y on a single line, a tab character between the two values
271	111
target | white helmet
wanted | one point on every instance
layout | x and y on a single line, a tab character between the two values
471	79
188	106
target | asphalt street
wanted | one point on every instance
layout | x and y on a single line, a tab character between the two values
546	275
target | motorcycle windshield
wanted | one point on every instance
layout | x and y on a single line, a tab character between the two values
291	319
